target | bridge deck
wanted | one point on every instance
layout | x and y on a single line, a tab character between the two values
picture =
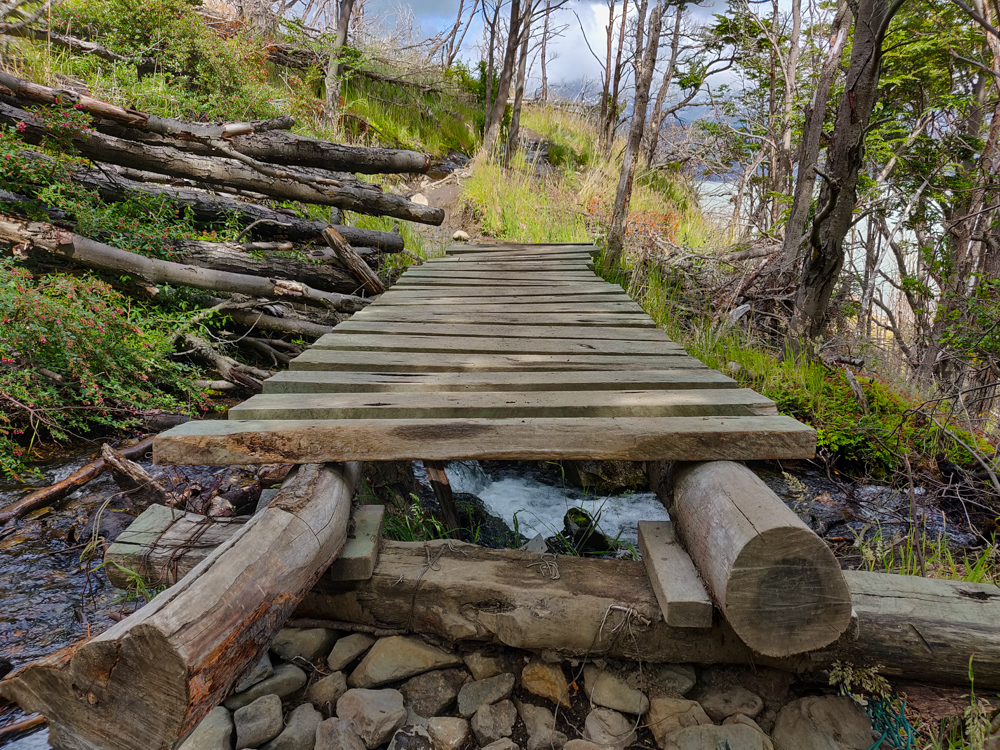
490	352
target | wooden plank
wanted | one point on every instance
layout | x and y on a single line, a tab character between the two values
565	290
460	345
504	405
326	359
486	305
406	315
682	596
216	442
361	325
582	302
305	381
777	583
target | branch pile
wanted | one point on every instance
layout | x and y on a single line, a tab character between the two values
279	275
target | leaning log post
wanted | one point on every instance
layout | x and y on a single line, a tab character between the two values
153	676
778	584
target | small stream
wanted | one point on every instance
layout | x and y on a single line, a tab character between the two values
51	599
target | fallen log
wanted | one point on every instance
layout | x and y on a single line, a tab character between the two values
777	583
288	183
50	239
352	261
76	480
150	678
232	257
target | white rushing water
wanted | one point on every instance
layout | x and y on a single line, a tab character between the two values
540	506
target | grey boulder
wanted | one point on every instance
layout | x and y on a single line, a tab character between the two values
214	732
258	722
300	731
374	714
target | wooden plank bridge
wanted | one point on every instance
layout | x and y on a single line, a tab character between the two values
490	352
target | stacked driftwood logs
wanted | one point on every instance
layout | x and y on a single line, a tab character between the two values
285	274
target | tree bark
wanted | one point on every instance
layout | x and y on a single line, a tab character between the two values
308	186
812	133
644	65
153	676
838	196
93	254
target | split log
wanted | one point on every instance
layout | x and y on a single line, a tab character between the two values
153	676
287	183
212	207
351	260
264	140
777	583
48	495
912	627
279	147
254	319
50	239
231	256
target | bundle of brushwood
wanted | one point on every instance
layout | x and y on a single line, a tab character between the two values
281	274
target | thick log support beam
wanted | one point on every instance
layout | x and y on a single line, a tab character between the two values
777	583
150	678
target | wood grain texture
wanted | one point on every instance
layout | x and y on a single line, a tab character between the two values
305	381
505	405
678	587
479	344
629	439
326	359
148	679
777	583
501	330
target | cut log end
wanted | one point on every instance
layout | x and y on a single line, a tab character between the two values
786	593
778	584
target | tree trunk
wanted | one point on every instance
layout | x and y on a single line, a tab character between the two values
777	583
812	133
522	64
651	138
308	186
838	196
644	66
612	118
97	255
495	120
153	676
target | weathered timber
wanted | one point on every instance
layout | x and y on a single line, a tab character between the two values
473	344
541	439
678	587
276	146
925	629
163	545
327	359
294	183
508	404
397	315
304	381
93	254
777	583
213	207
233	257
352	261
503	330
147	680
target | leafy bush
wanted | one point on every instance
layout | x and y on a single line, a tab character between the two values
75	356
